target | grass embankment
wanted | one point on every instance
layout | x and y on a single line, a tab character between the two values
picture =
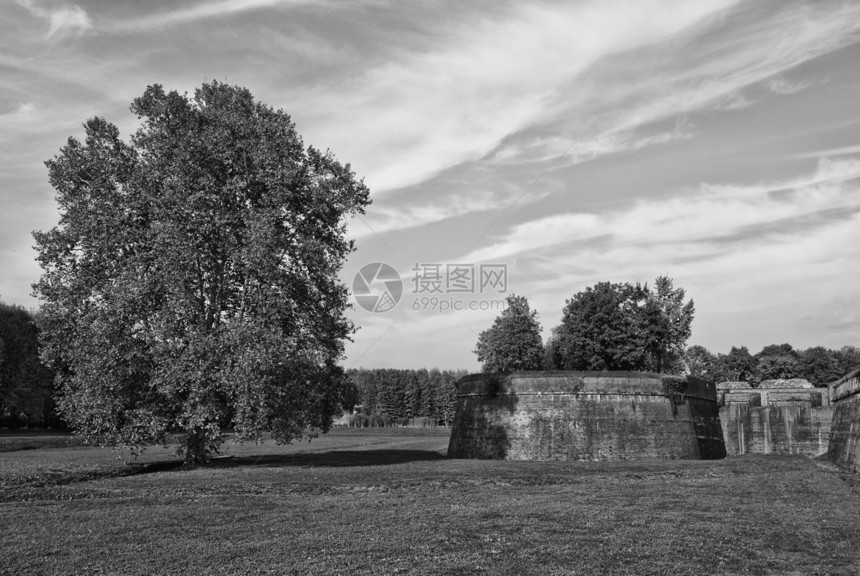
386	502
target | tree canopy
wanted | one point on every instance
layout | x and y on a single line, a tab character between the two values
620	326
818	365
192	281
668	321
513	342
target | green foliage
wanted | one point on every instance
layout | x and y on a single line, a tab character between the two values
600	329
821	366
784	349
553	358
848	358
776	366
513	342
736	366
389	397
668	325
818	365
26	385
776	361
700	362
193	276
623	327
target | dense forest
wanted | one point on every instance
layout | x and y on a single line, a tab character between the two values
387	397
26	386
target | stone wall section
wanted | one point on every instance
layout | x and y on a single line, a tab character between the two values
585	416
845	430
795	419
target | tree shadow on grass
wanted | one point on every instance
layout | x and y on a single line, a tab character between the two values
331	459
20	488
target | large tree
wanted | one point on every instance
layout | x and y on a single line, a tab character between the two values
668	320
623	327
513	342
192	280
737	365
601	329
819	365
776	361
700	362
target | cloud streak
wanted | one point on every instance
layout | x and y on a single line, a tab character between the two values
714	72
202	11
430	109
842	151
385	217
702	220
62	20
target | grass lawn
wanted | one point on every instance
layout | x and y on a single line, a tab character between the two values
11	440
387	502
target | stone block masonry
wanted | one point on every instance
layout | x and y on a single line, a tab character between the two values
585	416
844	446
779	417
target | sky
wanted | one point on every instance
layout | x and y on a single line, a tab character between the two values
510	148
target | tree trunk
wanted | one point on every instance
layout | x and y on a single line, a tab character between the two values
195	446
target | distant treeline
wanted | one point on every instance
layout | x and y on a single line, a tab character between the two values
388	397
26	386
818	364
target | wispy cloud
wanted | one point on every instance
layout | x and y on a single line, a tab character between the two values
715	66
428	109
614	140
203	10
698	223
785	87
62	19
382	218
843	151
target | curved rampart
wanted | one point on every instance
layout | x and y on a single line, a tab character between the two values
844	446
585	416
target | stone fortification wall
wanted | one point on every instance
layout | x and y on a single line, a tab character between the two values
783	417
845	431
585	416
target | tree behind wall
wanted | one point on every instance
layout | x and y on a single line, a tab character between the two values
513	342
848	358
700	362
737	365
820	366
601	330
623	327
668	320
193	274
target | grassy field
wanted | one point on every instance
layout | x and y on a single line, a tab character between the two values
387	502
